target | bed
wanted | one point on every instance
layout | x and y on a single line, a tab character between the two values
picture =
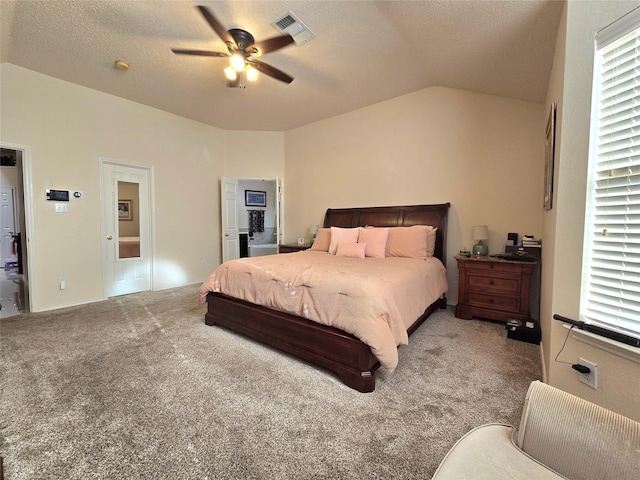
129	247
343	353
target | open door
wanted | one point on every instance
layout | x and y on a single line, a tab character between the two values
280	211
8	224
230	234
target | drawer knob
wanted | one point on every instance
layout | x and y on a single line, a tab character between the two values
491	282
491	300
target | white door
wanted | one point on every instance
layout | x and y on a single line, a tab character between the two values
127	229
228	202
7	213
279	211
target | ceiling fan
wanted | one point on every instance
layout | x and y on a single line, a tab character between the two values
243	50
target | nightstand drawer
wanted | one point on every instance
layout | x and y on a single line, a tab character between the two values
494	302
489	267
502	283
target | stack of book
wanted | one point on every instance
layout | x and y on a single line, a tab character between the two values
529	241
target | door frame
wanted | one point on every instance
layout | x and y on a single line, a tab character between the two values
152	225
27	194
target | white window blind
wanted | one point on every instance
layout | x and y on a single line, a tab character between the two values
611	281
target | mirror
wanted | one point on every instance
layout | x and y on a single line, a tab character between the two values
128	220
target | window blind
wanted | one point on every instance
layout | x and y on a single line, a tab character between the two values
611	283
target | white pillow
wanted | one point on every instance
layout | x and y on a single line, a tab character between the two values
342	235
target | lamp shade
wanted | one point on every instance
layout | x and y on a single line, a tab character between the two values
480	232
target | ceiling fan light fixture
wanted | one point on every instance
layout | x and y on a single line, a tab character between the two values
242	48
252	73
230	73
237	62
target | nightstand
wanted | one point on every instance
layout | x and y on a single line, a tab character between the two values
493	288
292	247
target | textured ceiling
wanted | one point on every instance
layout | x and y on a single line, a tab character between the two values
364	52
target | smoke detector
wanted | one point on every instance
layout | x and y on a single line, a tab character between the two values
292	25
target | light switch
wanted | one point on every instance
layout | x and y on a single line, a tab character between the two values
62	207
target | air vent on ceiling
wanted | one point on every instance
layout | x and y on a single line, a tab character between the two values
293	26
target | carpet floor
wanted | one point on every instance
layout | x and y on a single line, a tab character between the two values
138	387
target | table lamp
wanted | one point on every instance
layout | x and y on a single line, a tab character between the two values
314	231
480	233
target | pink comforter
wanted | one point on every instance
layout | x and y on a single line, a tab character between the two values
374	299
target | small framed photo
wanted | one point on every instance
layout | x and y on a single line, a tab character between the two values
124	210
255	198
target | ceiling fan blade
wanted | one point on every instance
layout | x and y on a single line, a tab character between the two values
217	26
269	45
201	53
271	71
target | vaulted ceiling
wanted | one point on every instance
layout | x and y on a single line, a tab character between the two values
363	52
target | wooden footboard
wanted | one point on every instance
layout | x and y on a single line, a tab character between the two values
321	345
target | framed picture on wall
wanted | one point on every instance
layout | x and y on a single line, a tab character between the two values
124	210
255	198
549	153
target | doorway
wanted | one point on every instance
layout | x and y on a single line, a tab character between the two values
252	216
15	213
126	220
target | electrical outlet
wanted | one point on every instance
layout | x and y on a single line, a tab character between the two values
63	283
203	263
590	378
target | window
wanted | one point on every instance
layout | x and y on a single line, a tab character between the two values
611	277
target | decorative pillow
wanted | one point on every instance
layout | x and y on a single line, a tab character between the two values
342	235
322	241
408	242
376	240
431	241
353	250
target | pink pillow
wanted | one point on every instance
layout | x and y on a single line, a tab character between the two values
375	239
408	242
431	241
322	241
342	235
353	250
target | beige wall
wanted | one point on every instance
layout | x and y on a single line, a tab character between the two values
482	153
570	86
251	154
554	95
9	177
69	128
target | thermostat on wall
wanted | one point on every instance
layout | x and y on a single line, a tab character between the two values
58	195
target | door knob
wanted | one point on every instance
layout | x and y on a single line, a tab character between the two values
226	234
109	237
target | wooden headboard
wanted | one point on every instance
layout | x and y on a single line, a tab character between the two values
434	215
